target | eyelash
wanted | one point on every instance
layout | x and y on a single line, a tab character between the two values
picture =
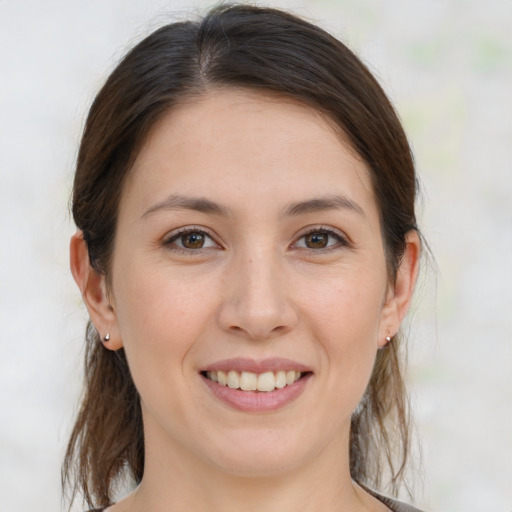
173	237
324	230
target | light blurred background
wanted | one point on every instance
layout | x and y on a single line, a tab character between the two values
447	65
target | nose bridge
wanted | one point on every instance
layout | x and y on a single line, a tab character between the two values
257	303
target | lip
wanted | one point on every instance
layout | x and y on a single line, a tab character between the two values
241	364
257	401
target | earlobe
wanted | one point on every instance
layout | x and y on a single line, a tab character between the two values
93	288
399	295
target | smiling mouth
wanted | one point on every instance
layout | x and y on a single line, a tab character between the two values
249	381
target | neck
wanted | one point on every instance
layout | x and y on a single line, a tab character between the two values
176	480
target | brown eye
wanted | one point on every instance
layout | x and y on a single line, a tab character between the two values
316	240
194	240
322	238
190	240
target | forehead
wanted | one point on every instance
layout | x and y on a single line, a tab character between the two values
250	143
256	114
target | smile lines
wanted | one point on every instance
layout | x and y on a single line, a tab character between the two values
249	381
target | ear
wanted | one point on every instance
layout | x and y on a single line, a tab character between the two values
94	292
399	294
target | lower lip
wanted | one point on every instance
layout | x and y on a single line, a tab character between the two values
258	401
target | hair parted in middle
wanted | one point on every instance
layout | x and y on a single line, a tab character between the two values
270	51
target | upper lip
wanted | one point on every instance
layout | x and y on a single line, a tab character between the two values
256	366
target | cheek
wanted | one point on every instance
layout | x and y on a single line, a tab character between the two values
345	319
160	317
347	308
348	330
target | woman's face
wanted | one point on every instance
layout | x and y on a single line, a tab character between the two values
249	248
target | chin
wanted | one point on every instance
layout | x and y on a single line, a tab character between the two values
260	454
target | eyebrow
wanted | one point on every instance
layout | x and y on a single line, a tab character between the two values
203	205
336	202
178	202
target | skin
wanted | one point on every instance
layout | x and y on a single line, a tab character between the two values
254	290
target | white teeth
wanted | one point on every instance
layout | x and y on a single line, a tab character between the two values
222	378
266	381
290	377
280	379
233	379
248	381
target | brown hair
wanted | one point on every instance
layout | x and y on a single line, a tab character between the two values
271	51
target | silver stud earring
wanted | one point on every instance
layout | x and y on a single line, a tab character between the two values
388	339
107	337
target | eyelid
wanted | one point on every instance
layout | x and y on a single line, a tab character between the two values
170	237
343	240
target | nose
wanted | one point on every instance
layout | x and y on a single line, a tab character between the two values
256	304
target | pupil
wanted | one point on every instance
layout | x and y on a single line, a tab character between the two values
192	240
317	240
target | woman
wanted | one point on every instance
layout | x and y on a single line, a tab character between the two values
247	249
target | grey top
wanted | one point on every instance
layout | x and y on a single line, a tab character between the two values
396	506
